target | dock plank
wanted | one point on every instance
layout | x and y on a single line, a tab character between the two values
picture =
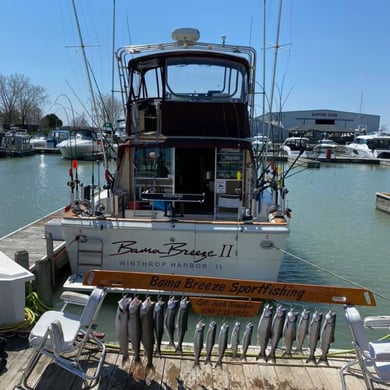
173	372
30	238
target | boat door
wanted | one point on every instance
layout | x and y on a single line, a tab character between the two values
194	175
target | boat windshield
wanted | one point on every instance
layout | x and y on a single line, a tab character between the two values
205	78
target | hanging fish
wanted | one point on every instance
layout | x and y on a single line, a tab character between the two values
290	331
314	335
181	323
198	341
222	343
303	330
235	339
121	327
134	327
170	316
264	331
327	335
210	340
158	321
147	329
246	339
277	330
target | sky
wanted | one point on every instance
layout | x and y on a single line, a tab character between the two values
334	54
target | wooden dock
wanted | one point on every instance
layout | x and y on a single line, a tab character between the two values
170	371
30	238
178	372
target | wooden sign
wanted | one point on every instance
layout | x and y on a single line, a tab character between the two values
236	288
225	307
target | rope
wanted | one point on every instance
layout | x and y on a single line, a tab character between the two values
332	273
33	310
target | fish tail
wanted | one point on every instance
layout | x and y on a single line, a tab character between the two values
311	359
261	355
271	357
218	364
323	359
157	351
125	359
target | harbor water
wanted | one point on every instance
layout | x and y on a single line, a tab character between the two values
337	236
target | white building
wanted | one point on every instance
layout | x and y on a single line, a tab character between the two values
316	124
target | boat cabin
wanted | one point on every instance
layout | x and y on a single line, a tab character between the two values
188	130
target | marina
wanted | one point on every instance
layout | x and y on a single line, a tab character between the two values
182	263
285	372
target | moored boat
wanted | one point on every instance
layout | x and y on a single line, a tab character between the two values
371	146
186	197
16	143
327	148
383	201
82	144
296	147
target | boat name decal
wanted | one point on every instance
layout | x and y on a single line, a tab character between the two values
171	250
235	288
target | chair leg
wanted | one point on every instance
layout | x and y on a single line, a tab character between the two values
343	369
27	371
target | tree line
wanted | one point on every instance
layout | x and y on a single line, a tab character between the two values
21	104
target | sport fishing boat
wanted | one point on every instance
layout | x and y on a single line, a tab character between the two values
188	196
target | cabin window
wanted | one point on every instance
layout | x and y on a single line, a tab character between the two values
154	162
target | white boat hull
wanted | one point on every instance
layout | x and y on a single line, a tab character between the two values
227	250
79	150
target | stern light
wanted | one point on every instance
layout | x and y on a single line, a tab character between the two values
185	35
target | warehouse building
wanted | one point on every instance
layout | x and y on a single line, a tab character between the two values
317	124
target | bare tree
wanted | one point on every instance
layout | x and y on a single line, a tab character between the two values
20	101
9	91
80	121
109	109
30	99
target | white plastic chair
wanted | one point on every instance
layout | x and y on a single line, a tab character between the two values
59	332
373	357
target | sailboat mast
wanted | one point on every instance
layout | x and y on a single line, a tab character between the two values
84	57
94	106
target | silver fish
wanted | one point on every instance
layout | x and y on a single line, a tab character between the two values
147	329
198	341
181	323
170	316
327	335
134	327
222	343
235	339
246	340
210	340
264	331
314	335
290	331
303	330
277	330
158	320
121	327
